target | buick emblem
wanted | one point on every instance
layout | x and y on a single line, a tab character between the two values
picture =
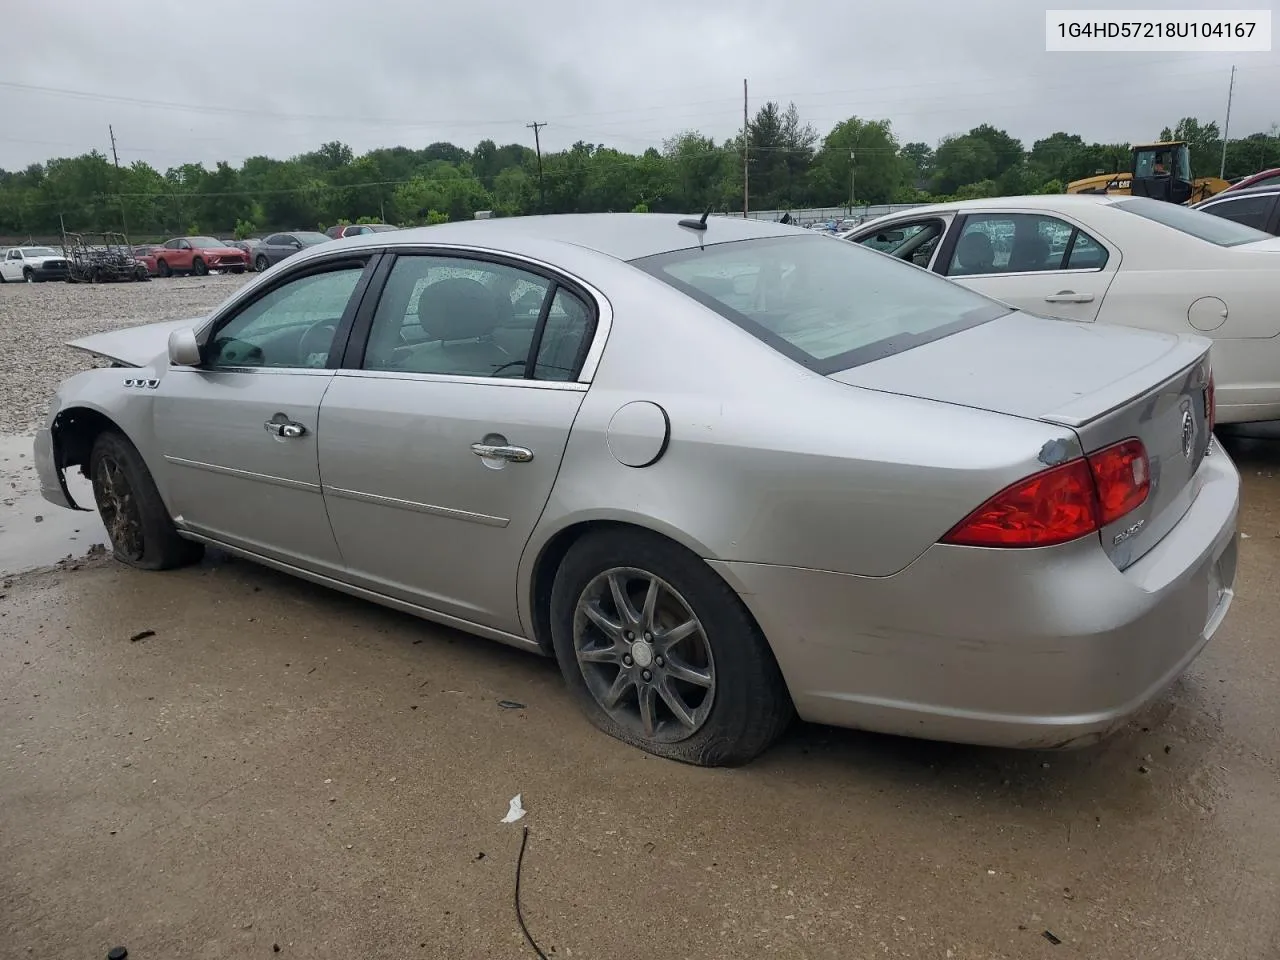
1188	433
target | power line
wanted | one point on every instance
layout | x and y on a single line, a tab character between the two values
537	145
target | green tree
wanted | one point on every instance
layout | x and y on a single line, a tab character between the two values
868	150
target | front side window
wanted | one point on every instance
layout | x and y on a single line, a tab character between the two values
1195	223
472	318
173	245
1251	211
828	306
907	241
291	326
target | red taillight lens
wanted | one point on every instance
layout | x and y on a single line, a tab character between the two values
1062	503
1123	477
1054	506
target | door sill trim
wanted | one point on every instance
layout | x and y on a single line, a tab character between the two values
404	606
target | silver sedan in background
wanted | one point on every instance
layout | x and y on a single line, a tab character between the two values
724	471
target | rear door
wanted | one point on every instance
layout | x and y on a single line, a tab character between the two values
441	440
1040	263
238	434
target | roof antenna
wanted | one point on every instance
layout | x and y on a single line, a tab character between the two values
699	224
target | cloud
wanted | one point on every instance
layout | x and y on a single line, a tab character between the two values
282	76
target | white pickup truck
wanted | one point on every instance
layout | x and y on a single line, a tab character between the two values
32	264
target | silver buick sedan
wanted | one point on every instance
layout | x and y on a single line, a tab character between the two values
724	471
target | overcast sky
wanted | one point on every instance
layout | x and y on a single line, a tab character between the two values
203	81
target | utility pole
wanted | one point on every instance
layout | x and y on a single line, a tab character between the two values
124	220
853	181
1226	127
746	194
537	145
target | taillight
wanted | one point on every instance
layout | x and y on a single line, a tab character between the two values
1053	506
1062	503
1123	478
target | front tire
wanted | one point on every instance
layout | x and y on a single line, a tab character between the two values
198	267
660	653
28	275
141	532
163	268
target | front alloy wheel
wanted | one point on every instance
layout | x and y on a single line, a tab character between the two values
119	509
644	655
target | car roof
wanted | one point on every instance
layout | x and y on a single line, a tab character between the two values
1242	192
624	236
1039	201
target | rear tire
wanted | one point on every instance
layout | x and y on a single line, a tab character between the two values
715	697
141	531
261	264
198	267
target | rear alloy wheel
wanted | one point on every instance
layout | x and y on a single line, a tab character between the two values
199	267
261	264
662	654
138	525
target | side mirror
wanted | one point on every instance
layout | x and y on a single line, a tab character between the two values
183	349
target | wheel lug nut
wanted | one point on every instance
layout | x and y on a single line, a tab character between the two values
647	675
648	636
627	660
659	661
630	635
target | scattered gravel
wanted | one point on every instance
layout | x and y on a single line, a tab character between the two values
37	319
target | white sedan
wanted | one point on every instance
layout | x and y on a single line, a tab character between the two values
1113	259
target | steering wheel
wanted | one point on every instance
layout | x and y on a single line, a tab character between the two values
315	344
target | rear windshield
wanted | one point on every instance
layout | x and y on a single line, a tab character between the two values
1197	223
824	303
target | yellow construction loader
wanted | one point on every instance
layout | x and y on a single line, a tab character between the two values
1161	171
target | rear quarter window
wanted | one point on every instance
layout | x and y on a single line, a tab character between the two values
1195	223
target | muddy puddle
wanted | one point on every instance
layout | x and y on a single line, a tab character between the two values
34	532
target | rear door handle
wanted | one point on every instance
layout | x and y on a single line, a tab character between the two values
494	451
1069	296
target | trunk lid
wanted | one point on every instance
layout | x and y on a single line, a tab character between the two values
1107	383
133	346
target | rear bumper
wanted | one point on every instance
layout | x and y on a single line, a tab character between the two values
1037	648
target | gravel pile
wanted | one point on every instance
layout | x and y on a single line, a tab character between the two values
37	319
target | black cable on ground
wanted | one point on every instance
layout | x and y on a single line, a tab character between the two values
519	914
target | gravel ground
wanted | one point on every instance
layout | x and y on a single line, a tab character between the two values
41	317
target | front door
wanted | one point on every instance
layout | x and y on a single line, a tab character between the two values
11	265
1034	262
439	453
239	433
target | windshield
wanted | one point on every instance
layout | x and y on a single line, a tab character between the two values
204	243
38	252
824	303
1197	223
311	239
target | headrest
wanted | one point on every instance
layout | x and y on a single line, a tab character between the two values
458	308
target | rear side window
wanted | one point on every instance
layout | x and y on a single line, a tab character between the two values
826	304
1195	223
1253	211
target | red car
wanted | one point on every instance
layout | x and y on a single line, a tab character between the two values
146	255
198	255
1263	178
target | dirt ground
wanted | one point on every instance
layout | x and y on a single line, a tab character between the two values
222	761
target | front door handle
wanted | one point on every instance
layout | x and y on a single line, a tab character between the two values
1069	296
279	426
501	451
